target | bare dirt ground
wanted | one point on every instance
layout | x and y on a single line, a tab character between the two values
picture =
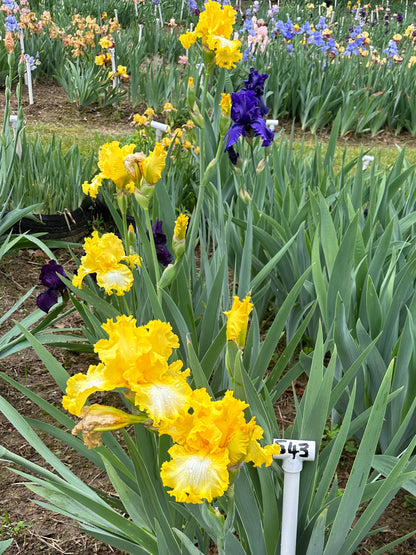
40	530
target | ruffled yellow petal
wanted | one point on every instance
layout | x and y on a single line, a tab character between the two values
260	455
188	39
118	280
164	399
91	189
102	257
193	476
227	52
111	163
161	337
123	341
80	386
133	260
154	164
215	20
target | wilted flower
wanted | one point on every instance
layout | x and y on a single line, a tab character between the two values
96	419
9	42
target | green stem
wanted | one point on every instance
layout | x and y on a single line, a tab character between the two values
202	181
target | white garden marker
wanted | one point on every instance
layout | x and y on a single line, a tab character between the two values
113	66
293	452
29	78
272	123
160	14
160	128
116	18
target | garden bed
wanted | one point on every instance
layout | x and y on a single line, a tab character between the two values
43	531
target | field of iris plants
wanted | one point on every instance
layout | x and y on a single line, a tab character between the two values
234	264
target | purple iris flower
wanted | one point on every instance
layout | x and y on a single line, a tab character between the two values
247	111
193	7
49	277
163	255
255	82
246	115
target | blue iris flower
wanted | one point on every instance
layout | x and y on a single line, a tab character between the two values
11	24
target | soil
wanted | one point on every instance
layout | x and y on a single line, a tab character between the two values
34	529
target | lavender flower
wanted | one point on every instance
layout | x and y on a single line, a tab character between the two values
11	24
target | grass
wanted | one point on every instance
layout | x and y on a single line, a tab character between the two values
74	134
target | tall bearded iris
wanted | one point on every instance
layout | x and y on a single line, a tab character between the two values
247	112
214	28
248	122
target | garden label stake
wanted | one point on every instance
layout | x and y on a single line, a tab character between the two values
113	66
160	128
116	18
293	453
272	123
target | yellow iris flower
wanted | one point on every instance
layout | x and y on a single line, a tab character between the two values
135	358
111	159
104	256
237	320
210	441
214	28
225	104
227	52
91	189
